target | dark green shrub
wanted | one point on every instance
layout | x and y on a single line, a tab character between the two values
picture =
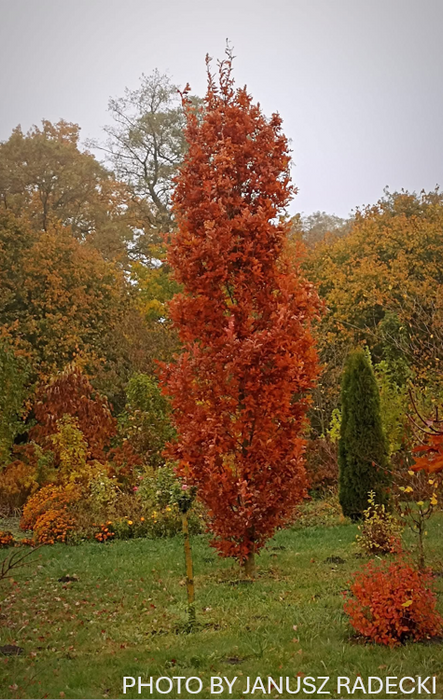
362	450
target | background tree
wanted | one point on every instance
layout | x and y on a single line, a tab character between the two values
381	283
239	388
362	449
13	394
46	177
146	145
146	419
59	299
49	181
314	228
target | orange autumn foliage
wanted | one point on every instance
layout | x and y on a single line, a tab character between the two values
391	603
54	498
67	404
431	459
105	532
17	483
240	387
6	538
71	393
53	526
47	513
59	299
429	431
382	286
47	178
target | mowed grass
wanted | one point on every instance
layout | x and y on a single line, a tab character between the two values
126	615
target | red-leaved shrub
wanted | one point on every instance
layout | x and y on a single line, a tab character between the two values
390	604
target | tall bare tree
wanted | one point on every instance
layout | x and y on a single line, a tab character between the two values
146	146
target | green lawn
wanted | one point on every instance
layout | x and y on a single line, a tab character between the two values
125	617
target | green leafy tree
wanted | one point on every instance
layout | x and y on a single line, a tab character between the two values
393	406
362	450
146	419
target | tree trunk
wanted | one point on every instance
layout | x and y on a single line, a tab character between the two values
249	565
189	571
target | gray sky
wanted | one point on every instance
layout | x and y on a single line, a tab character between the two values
358	82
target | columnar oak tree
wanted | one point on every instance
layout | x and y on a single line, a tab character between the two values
240	387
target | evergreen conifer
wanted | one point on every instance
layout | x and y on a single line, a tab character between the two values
363	453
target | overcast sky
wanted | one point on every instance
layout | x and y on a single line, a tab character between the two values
358	82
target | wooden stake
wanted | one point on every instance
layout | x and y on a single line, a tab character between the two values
189	571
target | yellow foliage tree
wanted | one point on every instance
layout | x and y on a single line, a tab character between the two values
382	284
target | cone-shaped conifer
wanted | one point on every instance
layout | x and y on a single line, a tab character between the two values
362	452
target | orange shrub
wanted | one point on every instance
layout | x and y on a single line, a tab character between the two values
53	526
71	393
48	498
26	542
6	539
390	604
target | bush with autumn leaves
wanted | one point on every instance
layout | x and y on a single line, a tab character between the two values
390	603
47	513
83	474
6	538
99	509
